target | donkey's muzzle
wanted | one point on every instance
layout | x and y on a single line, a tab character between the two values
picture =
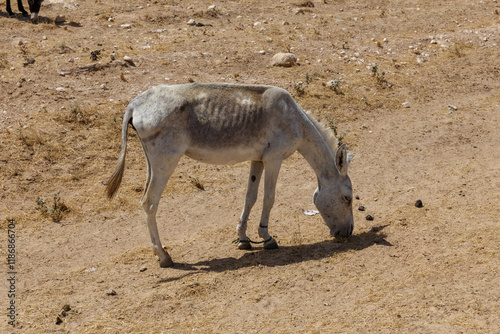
343	232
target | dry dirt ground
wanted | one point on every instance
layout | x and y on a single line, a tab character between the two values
433	269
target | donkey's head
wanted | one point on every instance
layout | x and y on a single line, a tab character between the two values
34	8
334	200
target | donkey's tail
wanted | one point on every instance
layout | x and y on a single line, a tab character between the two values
116	178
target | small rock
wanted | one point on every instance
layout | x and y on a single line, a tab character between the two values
434	41
60	18
64	72
262	52
58	320
369	217
60	89
128	59
406	104
361	208
452	107
357	197
111	292
44	37
126	26
143	269
419	204
191	22
284	59
212	7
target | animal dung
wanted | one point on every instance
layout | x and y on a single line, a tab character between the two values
361	208
369	217
64	312
419	204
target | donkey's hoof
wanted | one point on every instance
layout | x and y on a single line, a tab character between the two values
245	245
166	262
271	244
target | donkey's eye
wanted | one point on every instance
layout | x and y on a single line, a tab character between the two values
347	199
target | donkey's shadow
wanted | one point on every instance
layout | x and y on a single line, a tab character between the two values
285	255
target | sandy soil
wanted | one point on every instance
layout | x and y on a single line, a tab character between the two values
433	269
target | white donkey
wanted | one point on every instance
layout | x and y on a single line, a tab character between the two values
226	124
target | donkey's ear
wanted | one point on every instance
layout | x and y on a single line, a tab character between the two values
343	159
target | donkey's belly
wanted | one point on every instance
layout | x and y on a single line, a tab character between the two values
224	156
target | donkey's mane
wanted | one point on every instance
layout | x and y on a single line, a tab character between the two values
326	132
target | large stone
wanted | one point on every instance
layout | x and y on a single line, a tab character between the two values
284	59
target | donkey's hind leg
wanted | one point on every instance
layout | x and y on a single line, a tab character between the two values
256	168
159	172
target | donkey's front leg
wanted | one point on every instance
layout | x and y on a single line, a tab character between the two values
256	168
270	179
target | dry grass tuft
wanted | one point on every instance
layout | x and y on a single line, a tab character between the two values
30	137
305	3
78	114
55	211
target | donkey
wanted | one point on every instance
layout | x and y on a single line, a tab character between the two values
34	8
225	124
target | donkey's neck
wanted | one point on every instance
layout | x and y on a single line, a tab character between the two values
316	150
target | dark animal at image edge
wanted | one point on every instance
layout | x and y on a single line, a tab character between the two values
33	4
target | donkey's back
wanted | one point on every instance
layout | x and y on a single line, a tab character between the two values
217	123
